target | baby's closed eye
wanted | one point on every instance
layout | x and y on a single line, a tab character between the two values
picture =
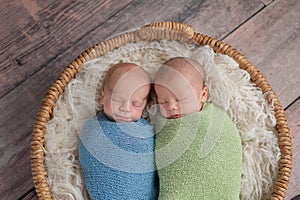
161	101
138	103
116	99
182	100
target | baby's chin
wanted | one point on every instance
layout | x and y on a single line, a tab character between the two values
119	118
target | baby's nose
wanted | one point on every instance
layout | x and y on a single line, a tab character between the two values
125	107
173	105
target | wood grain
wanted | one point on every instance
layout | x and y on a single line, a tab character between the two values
271	41
31	195
219	18
37	35
16	123
293	117
20	106
266	2
215	18
46	30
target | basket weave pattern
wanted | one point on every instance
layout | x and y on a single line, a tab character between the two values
178	31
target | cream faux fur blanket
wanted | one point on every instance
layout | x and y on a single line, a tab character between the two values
229	86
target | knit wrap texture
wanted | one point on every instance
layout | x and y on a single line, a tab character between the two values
117	159
198	156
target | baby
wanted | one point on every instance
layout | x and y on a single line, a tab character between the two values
116	147
198	149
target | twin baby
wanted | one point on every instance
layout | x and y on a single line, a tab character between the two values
195	153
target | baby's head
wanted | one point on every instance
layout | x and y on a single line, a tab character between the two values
125	91
180	87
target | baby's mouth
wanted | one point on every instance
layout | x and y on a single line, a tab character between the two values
122	118
175	116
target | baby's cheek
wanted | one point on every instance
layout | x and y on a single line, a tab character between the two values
190	108
163	111
137	115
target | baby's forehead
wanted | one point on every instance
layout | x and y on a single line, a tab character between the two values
119	71
179	92
169	75
180	70
126	76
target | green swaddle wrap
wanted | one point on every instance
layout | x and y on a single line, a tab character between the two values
198	156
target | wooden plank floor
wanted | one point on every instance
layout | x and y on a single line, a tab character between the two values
38	39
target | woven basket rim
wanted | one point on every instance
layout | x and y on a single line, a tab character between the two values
38	168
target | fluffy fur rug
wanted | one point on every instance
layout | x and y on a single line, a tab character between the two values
230	87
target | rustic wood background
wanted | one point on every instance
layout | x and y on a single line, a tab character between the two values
39	38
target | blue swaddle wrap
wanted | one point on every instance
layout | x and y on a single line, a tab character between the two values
117	159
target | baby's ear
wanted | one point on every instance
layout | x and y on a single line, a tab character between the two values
102	96
204	94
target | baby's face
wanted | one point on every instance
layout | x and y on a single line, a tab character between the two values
126	99
179	86
177	98
177	95
125	106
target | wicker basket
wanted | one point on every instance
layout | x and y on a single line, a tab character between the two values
177	31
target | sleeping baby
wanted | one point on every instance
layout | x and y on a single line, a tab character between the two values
198	149
116	147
